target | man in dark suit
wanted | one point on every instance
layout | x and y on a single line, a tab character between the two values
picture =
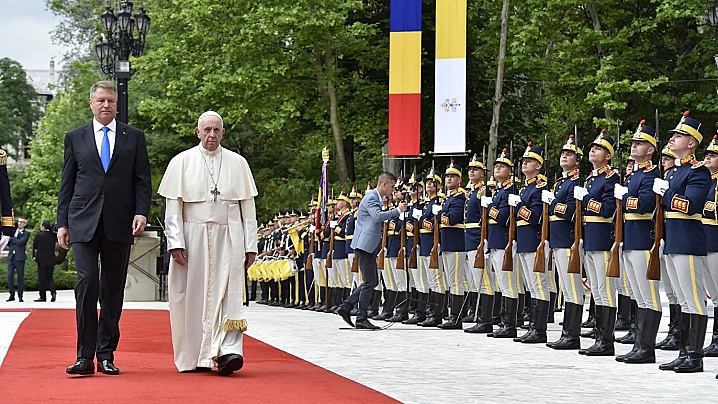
43	253
103	202
16	259
367	234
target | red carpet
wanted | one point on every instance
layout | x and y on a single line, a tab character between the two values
34	369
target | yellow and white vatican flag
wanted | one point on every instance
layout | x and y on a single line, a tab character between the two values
450	92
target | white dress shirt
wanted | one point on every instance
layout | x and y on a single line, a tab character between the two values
99	134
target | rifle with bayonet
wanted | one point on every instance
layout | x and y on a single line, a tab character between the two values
614	261
653	272
574	260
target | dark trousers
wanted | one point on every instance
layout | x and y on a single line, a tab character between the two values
99	336
13	266
45	279
362	294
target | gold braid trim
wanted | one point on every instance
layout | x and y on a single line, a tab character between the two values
240	325
3	157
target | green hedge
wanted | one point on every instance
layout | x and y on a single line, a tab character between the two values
63	279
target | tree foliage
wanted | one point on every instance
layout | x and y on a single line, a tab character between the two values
19	108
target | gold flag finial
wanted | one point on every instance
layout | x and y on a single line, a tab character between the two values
325	154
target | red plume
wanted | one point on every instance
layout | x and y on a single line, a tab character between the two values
686	113
643	122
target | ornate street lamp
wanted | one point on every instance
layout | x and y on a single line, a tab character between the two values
123	36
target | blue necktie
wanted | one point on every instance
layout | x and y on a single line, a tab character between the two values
105	149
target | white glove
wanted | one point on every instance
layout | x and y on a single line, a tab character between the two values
619	191
513	249
435	209
486	247
333	224
547	252
312	228
579	192
660	247
486	201
547	197
580	246
416	213
514	200
660	186
403	215
620	249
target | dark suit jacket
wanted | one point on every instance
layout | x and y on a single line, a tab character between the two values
43	248
86	191
17	245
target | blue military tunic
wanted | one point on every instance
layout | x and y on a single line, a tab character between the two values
452	221
710	218
340	249
393	242
689	183
638	206
472	236
410	224
598	209
426	234
325	239
528	215
499	216
562	211
349	231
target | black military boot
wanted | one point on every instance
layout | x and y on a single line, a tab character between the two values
623	319
572	315
591	320
387	311
630	336
637	330
552	307
265	293
508	330
402	312
531	321
671	324
483	326
649	329
564	326
606	346
694	345
497	314
470	308
673	339
538	334
253	291
598	316
520	310
685	322
712	349
373	309
454	321
436	318
419	310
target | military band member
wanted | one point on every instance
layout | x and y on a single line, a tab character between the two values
529	210
638	202
710	225
481	277
435	277
599	205
672	340
453	253
498	206
684	195
562	210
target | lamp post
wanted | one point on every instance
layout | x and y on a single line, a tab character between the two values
124	36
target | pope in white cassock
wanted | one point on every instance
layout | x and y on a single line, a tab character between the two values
211	230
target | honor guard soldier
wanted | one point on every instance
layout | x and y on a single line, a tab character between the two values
672	340
498	206
562	211
482	277
529	213
332	281
418	279
684	195
399	278
437	283
710	225
340	264
638	203
453	253
354	197
599	205
392	284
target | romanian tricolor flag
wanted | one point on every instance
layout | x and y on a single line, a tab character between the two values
450	93
404	77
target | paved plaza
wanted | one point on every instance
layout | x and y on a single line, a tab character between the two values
419	365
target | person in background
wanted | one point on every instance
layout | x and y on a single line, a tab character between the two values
43	253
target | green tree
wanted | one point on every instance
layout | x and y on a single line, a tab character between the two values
19	108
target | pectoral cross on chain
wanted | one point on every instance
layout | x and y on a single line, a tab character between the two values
215	192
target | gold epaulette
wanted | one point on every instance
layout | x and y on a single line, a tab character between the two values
3	158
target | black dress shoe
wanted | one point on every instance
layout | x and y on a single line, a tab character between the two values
83	366
344	315
10	299
365	325
107	367
39	300
227	364
20	300
198	369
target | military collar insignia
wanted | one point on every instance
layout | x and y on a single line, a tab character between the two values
601	170
646	164
506	183
714	176
531	180
691	158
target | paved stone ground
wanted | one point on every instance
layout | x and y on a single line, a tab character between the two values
418	365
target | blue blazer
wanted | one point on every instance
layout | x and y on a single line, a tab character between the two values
370	222
17	246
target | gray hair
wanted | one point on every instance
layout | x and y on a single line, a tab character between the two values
108	85
210	113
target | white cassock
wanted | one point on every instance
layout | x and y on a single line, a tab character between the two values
216	230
